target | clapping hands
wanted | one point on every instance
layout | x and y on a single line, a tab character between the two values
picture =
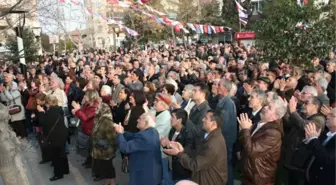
244	121
119	128
312	131
174	148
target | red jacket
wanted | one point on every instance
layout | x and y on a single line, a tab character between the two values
86	114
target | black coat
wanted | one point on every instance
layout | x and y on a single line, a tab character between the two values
186	139
136	112
119	112
322	170
197	113
213	100
59	134
74	94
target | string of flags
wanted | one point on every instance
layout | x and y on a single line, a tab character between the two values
101	17
163	19
243	16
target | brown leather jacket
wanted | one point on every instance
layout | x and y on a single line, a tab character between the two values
261	153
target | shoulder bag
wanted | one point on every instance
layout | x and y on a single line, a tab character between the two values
14	109
44	141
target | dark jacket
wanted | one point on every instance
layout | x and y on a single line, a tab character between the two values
196	115
119	112
209	163
186	139
54	117
254	118
144	152
294	135
213	100
136	112
74	94
261	153
322	170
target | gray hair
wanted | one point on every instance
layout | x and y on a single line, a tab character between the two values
323	83
173	82
189	87
107	89
227	84
149	118
280	107
273	94
261	95
310	89
233	89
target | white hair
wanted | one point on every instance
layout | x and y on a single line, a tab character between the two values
280	107
233	89
310	89
186	182
149	118
323	83
107	89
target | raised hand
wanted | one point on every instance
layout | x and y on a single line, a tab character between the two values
244	121
311	131
292	104
325	110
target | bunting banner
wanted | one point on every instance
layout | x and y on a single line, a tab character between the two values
163	19
102	17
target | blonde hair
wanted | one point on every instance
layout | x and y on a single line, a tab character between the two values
52	100
92	96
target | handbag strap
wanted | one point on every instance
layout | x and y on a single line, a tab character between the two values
53	128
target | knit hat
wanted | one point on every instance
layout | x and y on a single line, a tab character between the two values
165	98
265	79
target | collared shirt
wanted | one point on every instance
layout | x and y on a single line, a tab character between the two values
256	112
329	136
258	127
206	135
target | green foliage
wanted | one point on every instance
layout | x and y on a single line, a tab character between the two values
229	16
45	43
29	44
280	38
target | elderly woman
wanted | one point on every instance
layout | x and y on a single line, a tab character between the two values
55	134
86	114
10	94
144	151
104	145
106	94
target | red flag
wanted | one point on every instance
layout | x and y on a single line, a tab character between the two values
113	1
205	28
217	29
62	1
305	1
221	28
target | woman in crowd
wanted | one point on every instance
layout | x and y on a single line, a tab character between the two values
144	151
187	103
106	94
137	99
104	145
86	114
120	110
214	96
149	90
10	94
31	105
56	135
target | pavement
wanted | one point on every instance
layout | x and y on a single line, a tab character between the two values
39	174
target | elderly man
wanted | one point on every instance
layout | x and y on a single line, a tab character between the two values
321	169
295	134
161	105
143	149
321	86
208	164
262	144
229	128
257	101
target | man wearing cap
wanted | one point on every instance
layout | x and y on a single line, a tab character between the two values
161	106
263	83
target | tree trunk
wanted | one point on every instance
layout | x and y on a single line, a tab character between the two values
11	166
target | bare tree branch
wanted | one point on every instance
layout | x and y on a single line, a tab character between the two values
7	11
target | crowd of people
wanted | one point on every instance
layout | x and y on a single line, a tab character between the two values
203	114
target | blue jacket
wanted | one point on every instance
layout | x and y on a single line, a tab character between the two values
143	148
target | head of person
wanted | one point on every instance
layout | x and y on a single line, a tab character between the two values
242	75
307	92
257	99
116	80
41	99
215	86
179	118
92	85
321	85
35	84
331	66
212	120
225	87
186	182
149	87
271	96
331	120
200	92
263	83
187	92
51	101
106	90
137	98
125	94
162	102
312	106
136	75
8	78
91	97
275	110
168	89
234	90
145	121
56	83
